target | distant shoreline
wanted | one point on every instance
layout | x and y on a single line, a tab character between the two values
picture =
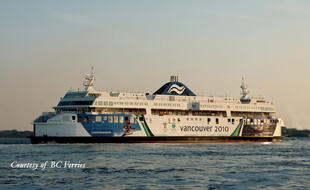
292	132
289	132
15	134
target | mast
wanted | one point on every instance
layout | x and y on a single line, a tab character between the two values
244	90
89	81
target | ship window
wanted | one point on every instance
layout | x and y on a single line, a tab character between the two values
217	120
105	118
132	120
68	103
85	119
98	118
110	119
228	120
251	120
233	121
209	120
92	118
115	119
126	118
79	119
73	118
121	119
141	118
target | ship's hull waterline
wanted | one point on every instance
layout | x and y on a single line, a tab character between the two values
171	139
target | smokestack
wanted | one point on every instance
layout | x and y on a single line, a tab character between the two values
174	78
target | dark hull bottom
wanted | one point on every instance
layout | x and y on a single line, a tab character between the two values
46	139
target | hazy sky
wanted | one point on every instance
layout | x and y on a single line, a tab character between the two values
46	47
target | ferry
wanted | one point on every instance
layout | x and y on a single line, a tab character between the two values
173	113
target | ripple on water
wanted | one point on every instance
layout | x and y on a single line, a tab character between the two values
283	165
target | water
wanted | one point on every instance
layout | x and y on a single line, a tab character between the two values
284	165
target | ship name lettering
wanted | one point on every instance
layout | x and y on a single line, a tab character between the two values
196	128
216	129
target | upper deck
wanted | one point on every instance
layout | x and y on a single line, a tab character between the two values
171	96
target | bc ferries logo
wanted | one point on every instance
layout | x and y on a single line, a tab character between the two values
177	89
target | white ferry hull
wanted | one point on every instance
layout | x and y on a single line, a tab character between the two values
118	128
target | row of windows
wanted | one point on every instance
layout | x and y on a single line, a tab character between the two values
167	104
109	119
75	95
111	103
254	108
211	106
209	120
260	121
249	114
74	103
162	112
121	119
239	107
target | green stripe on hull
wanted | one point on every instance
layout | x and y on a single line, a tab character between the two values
144	127
237	130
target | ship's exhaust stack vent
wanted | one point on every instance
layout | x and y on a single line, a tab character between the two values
174	78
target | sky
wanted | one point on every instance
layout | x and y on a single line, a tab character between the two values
46	48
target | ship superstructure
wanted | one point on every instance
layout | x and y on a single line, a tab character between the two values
173	113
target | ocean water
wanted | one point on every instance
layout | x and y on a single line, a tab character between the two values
281	165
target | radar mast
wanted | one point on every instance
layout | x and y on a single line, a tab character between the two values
89	81
244	90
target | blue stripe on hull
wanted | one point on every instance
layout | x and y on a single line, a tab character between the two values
104	128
